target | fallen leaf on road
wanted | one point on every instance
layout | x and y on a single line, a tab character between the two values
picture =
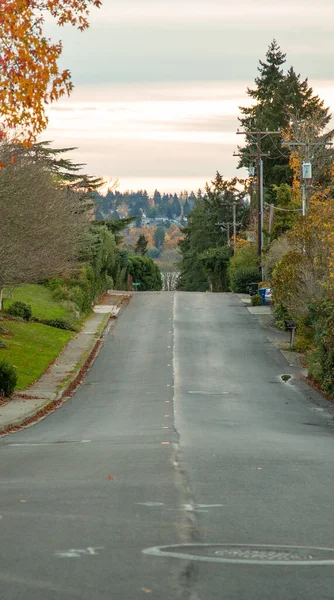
146	590
110	477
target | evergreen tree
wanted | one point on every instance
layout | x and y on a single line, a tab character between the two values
141	245
186	208
159	237
176	207
170	212
278	97
157	198
206	231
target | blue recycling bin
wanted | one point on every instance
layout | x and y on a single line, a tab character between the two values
262	292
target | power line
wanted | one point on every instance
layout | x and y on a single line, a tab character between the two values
284	209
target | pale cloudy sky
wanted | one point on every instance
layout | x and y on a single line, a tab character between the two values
158	83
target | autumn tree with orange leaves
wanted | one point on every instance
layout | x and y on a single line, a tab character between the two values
30	77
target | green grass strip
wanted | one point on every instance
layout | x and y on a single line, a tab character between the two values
40	298
31	348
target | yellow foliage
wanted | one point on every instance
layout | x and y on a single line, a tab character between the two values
295	165
30	76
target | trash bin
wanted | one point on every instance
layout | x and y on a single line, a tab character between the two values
253	289
262	292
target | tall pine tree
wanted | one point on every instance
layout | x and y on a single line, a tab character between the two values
278	97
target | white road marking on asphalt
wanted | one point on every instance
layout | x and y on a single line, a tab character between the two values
208	393
208	505
79	552
28	444
150	503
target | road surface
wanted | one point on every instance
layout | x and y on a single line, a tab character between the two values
183	436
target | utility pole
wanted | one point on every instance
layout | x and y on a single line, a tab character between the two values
226	226
259	194
259	135
234	224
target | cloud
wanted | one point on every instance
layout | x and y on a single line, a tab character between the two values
243	13
152	132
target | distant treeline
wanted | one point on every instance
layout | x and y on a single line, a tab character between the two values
116	205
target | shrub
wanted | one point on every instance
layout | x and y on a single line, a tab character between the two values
8	379
20	309
57	323
322	314
281	315
256	300
242	277
144	271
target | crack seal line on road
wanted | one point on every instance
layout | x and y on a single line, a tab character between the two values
190	532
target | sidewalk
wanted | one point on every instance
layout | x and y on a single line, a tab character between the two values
276	337
65	373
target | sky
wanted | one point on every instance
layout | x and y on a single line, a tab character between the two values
158	83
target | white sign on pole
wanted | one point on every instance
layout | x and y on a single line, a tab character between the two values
307	170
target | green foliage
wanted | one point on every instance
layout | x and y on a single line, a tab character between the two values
241	278
141	245
204	230
20	309
102	267
57	323
159	237
31	347
285	279
281	315
215	263
244	257
8	379
286	213
144	271
65	170
115	226
321	364
256	300
40	298
277	96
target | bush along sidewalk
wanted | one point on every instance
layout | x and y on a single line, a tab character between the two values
8	379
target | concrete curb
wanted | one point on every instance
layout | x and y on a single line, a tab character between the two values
42	407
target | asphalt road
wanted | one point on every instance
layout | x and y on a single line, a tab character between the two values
182	435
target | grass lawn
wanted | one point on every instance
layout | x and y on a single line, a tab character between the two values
31	347
40	299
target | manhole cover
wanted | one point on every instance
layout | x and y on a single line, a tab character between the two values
247	554
272	555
